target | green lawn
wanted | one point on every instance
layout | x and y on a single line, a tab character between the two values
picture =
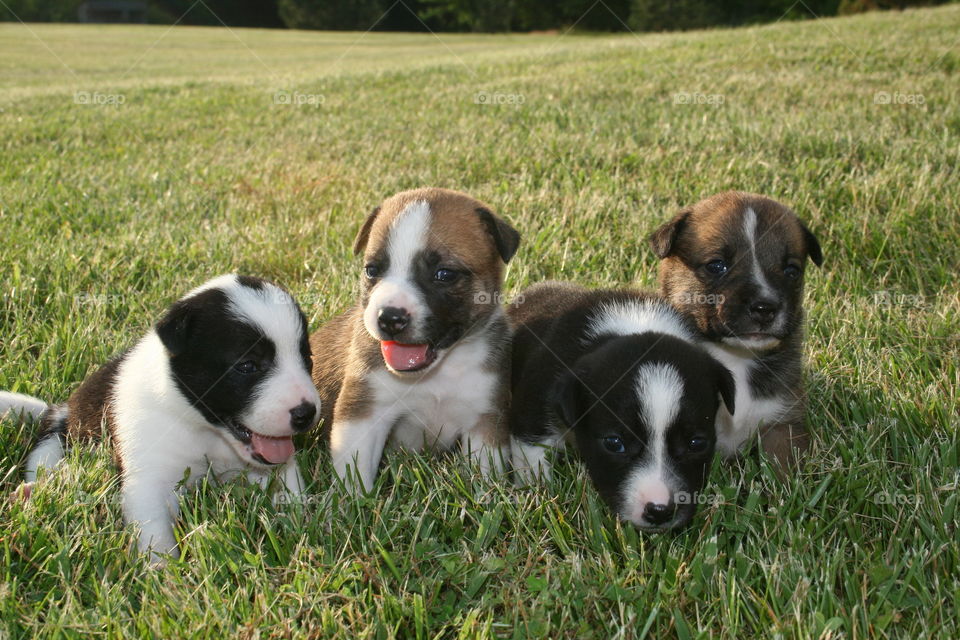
187	162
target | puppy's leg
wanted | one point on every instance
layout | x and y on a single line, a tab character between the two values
530	461
488	443
356	447
150	501
786	443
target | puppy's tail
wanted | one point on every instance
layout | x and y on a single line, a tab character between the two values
18	405
50	446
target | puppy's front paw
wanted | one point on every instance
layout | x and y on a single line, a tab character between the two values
22	493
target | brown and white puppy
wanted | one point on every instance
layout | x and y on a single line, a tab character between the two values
734	265
423	358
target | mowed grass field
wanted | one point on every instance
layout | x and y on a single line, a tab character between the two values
138	161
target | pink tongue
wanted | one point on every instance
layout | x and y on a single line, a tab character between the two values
273	450
404	357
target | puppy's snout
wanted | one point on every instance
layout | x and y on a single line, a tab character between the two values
764	311
392	320
658	514
302	416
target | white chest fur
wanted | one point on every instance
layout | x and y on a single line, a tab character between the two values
750	412
435	410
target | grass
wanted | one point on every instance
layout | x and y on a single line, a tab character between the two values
110	211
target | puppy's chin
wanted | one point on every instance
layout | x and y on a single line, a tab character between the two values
758	342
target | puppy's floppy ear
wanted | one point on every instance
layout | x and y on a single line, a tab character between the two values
726	386
174	327
563	398
813	245
360	243
663	239
505	237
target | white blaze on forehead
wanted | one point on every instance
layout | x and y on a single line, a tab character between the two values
406	238
750	233
272	311
659	390
637	316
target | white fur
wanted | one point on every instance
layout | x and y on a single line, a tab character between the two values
159	436
659	389
635	317
530	462
20	406
46	455
407	237
433	410
750	233
734	430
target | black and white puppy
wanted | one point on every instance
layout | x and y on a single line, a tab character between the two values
422	359
620	374
734	264
221	383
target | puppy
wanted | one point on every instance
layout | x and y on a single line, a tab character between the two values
620	374
733	264
422	358
221	383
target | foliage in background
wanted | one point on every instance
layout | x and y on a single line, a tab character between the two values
469	15
352	15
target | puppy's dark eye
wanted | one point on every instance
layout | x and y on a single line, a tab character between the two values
614	444
446	275
791	271
698	444
247	367
716	267
371	271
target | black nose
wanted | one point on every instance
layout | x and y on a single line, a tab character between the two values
658	513
763	311
392	320
302	415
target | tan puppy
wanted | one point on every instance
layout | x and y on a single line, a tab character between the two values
734	265
423	357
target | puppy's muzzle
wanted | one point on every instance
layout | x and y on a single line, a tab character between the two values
392	320
303	416
659	514
763	311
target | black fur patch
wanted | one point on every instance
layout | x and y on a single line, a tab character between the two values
562	381
207	344
505	237
251	282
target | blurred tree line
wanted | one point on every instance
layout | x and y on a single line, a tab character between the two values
468	15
